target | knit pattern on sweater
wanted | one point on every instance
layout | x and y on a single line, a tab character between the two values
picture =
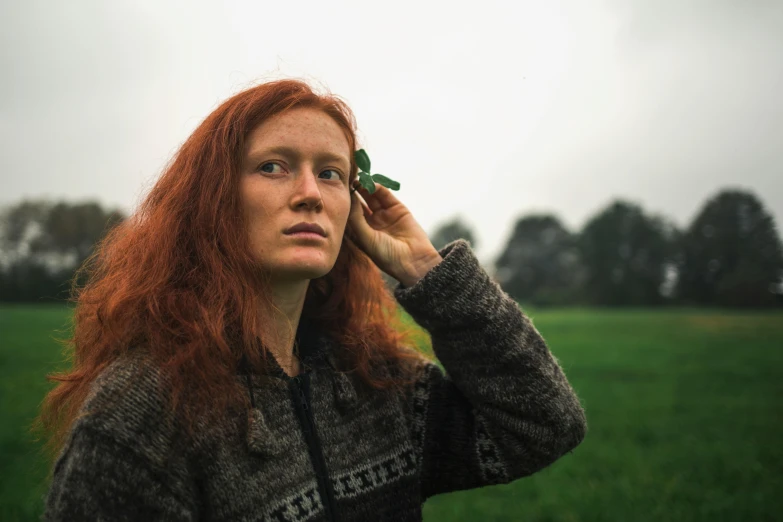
502	410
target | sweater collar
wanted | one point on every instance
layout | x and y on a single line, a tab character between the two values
314	349
316	352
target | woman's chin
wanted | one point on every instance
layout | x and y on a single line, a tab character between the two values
304	269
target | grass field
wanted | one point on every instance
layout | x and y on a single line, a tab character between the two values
685	419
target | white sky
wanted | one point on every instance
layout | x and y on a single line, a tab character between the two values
488	110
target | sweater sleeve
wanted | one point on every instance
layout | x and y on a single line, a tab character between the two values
503	408
123	459
98	478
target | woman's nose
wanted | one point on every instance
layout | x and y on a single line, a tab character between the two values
306	187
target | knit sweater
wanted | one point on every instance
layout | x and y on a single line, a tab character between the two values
334	449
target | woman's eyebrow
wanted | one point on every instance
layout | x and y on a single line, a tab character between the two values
293	153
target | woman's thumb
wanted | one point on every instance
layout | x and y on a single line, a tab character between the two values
358	217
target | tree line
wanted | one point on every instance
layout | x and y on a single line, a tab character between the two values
730	255
43	243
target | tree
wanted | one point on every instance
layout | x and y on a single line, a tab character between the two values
731	253
41	245
626	255
72	230
20	225
540	264
451	231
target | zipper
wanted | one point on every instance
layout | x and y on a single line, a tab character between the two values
301	391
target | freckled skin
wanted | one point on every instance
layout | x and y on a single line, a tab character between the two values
295	189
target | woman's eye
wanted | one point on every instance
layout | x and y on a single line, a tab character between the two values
336	173
263	168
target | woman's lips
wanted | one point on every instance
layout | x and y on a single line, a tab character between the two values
306	235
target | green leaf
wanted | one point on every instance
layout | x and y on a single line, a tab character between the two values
386	182
367	182
362	160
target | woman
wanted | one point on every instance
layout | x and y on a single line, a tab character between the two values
229	368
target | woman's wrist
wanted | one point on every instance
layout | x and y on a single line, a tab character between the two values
410	279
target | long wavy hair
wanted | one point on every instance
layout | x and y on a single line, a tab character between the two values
178	278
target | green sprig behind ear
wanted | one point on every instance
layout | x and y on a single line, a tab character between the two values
368	180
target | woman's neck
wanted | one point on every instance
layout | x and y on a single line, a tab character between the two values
280	338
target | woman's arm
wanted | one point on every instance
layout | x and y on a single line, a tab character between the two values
98	478
503	409
123	459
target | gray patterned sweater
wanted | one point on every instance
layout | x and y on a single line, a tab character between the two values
502	410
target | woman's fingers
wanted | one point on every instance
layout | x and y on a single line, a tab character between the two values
380	199
363	203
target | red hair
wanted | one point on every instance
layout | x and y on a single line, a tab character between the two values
178	278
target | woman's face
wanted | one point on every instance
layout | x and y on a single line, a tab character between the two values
295	170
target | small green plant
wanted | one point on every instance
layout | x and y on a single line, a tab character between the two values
368	180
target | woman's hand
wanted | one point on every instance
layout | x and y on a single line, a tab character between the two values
390	236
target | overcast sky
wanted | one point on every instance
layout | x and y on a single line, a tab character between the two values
488	110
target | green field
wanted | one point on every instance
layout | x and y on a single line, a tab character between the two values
685	419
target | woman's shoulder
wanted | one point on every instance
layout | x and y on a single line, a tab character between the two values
128	403
130	380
